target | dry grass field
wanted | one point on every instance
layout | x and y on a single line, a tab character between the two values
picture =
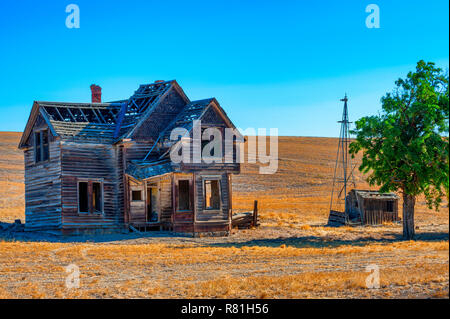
292	255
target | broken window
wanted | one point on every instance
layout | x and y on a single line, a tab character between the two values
183	195
83	197
212	194
41	147
90	197
136	195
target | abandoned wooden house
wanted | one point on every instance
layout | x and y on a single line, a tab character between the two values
105	167
367	208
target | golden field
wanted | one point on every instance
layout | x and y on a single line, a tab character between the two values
291	255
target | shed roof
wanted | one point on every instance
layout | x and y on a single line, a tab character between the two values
375	194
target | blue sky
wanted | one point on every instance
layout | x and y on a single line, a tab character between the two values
281	64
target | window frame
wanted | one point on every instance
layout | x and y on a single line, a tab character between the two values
137	200
191	205
91	208
41	145
102	198
78	196
217	178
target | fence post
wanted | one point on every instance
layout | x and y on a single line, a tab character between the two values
255	213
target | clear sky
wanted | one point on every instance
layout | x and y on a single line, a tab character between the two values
281	64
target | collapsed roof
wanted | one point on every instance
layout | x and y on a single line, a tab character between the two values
111	122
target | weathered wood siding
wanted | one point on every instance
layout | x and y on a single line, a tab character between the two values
103	163
375	211
43	190
137	150
165	199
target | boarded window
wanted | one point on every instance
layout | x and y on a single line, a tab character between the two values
183	195
212	194
83	197
41	146
97	197
136	195
390	206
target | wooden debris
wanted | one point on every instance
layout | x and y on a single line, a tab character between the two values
246	220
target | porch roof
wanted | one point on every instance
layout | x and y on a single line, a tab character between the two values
145	170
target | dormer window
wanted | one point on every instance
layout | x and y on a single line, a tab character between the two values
41	149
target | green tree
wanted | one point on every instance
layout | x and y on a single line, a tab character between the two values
406	146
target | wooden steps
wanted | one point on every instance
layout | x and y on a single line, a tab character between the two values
243	220
336	217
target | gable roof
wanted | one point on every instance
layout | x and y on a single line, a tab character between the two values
191	112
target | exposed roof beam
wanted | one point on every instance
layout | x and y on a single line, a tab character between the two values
84	115
57	111
70	113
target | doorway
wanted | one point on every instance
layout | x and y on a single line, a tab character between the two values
152	204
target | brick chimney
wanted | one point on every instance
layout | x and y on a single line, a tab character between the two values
96	93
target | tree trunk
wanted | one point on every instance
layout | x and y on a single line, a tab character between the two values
408	216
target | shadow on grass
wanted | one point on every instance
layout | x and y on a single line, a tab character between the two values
324	242
53	237
298	242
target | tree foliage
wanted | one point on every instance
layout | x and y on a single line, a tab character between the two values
406	146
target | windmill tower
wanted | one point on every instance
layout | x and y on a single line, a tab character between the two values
343	171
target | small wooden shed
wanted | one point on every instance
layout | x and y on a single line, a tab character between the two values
372	207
